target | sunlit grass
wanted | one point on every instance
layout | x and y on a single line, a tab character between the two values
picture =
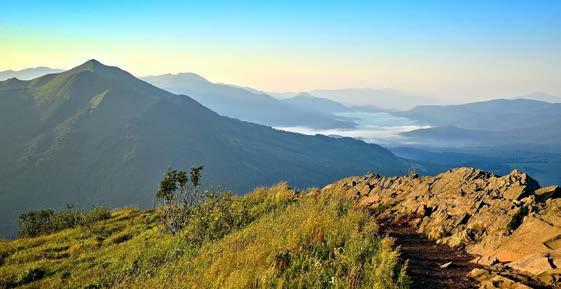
271	238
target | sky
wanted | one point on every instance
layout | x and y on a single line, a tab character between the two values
445	49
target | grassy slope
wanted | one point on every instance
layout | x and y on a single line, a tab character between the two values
295	241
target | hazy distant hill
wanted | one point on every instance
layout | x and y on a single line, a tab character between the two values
28	73
306	101
387	99
544	138
497	135
521	126
244	104
541	97
446	134
96	134
250	89
498	115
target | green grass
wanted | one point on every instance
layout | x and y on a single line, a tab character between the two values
270	238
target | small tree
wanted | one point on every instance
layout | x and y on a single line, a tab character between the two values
35	223
176	195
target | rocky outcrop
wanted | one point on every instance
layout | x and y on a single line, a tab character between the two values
509	221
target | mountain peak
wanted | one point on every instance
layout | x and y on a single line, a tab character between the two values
97	67
192	76
93	64
541	96
178	77
305	95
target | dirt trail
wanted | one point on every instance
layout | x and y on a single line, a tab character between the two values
425	258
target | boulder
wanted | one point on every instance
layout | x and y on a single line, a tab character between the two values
546	193
530	238
485	260
535	264
480	274
500	218
501	282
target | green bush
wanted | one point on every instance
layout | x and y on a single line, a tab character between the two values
200	217
35	223
48	221
176	195
220	214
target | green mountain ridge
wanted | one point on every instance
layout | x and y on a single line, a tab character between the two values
97	135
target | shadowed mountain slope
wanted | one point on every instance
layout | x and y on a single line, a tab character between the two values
96	134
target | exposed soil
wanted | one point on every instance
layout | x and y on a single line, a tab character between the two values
425	258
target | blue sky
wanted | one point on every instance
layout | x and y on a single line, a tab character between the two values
443	48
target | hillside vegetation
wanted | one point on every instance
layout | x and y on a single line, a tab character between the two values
97	135
270	238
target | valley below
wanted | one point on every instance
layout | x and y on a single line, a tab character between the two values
373	127
439	152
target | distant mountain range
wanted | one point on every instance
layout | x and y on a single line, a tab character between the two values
522	122
541	97
96	134
244	103
497	135
248	105
306	101
28	73
387	99
494	115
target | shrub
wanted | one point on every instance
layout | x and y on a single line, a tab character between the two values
96	213
176	194
220	214
211	216
48	221
35	223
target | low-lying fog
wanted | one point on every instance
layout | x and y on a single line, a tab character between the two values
372	127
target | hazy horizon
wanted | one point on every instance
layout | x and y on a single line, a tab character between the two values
458	51
420	98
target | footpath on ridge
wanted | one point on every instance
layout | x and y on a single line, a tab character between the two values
497	231
429	263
